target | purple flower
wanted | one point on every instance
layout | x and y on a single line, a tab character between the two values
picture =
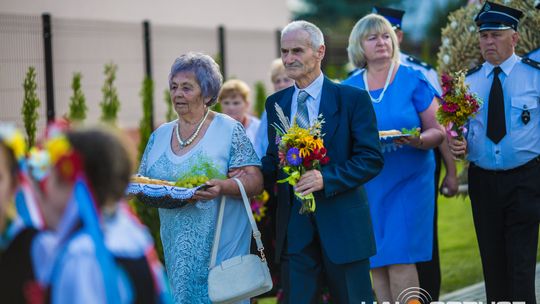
293	157
278	139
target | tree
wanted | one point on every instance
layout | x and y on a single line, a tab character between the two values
260	98
110	105
170	115
30	106
77	106
338	15
145	125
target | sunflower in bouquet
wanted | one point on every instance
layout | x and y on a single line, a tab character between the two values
300	150
457	104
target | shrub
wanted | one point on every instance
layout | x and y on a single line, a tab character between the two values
30	106
110	105
77	106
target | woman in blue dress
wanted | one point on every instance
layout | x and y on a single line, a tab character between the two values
401	196
200	136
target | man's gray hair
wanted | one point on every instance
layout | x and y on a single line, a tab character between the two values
206	72
316	36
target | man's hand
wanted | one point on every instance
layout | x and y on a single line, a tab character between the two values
458	148
310	182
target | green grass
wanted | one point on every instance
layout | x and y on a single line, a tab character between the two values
458	248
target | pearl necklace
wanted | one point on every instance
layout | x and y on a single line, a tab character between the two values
194	135
377	100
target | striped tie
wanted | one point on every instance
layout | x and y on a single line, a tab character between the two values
302	116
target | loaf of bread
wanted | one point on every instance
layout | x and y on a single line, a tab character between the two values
145	180
389	133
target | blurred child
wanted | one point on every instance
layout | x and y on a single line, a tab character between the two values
95	251
15	239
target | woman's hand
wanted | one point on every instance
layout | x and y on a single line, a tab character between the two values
413	141
214	189
449	185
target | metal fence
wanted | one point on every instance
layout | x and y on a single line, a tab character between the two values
138	49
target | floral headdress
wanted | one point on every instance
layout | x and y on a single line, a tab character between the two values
13	139
25	203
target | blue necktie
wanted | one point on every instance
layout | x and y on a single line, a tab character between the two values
302	115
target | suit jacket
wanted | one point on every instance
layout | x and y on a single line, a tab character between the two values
351	137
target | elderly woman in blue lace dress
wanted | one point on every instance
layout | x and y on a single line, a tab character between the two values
200	135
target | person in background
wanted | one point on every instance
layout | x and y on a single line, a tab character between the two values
401	197
535	54
429	273
503	148
336	240
235	102
280	81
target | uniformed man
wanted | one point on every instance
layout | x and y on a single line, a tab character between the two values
429	273
534	54
503	146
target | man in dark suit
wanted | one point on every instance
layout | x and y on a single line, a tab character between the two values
337	239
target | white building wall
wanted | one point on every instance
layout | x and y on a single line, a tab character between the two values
89	34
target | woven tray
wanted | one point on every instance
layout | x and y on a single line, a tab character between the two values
161	196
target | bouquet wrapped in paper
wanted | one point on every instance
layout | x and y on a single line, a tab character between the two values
457	104
300	150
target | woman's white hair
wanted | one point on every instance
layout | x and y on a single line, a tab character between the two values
369	24
316	36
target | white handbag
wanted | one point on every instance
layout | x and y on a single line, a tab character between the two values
240	277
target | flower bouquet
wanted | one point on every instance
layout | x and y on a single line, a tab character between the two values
299	150
258	205
457	104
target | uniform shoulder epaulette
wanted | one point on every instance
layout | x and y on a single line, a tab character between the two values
529	61
474	70
419	62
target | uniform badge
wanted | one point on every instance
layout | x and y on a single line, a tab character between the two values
525	116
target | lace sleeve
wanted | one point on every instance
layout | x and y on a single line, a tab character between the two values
242	151
143	166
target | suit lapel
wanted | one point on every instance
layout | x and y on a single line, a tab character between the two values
286	101
328	108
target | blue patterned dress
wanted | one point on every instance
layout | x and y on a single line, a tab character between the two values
187	233
401	197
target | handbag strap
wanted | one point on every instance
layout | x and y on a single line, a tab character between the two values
256	232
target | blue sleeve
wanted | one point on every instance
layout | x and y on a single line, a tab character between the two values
144	159
423	93
261	141
242	152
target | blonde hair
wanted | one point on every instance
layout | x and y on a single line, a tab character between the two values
233	87
277	68
369	24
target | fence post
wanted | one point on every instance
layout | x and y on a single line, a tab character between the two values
221	42
278	43
148	61
48	60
